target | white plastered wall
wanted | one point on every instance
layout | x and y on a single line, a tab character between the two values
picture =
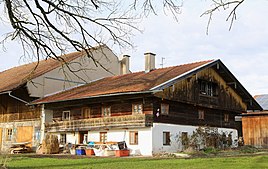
144	146
61	78
175	132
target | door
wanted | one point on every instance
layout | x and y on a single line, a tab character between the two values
25	134
82	137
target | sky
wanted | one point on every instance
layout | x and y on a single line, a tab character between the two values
243	49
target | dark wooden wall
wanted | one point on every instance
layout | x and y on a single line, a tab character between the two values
187	91
187	114
118	108
12	109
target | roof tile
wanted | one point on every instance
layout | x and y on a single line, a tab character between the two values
133	82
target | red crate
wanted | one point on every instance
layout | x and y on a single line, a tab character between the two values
121	153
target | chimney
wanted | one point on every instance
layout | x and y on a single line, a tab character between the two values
149	61
125	65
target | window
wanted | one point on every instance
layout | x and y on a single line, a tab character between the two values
201	114
166	138
103	137
66	115
106	111
133	138
164	109
226	117
37	134
86	113
184	138
62	138
208	88
9	134
136	108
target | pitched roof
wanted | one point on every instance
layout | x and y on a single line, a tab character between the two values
17	76
133	82
262	100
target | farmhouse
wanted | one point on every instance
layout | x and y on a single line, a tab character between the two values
23	84
149	109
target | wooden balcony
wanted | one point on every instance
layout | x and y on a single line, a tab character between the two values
127	121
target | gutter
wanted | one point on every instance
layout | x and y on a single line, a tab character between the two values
9	94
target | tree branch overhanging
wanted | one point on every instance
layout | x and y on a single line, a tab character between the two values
225	5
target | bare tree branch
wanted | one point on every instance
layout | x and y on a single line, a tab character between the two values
225	5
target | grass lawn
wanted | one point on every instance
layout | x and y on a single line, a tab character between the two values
245	162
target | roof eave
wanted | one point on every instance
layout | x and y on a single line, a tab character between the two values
182	76
97	96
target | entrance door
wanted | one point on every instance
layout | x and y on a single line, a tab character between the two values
82	137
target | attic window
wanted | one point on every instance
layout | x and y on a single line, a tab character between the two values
208	88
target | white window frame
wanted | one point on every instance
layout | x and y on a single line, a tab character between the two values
64	117
137	108
9	134
104	112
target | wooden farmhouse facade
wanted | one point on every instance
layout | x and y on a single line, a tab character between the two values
20	122
149	109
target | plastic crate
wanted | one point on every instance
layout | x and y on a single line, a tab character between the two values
80	152
121	153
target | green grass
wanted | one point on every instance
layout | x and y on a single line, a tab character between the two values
21	162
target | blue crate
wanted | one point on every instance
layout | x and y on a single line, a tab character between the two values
80	152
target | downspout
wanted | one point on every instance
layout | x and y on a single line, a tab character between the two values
9	94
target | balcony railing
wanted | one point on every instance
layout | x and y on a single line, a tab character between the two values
127	121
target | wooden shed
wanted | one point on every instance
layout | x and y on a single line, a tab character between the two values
255	129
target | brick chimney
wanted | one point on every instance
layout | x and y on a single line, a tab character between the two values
124	66
149	61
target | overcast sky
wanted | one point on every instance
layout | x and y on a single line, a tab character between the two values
244	49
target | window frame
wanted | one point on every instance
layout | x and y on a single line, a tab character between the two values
164	106
103	137
64	117
166	138
184	138
226	117
86	113
133	137
63	138
208	88
201	114
103	111
9	134
138	110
